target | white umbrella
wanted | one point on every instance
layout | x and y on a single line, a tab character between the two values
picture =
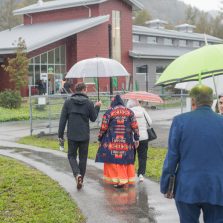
97	67
208	81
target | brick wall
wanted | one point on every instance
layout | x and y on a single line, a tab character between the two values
61	14
90	43
126	33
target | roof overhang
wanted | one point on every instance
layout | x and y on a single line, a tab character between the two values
58	4
136	5
149	56
42	34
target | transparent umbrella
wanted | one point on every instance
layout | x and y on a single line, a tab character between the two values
97	67
217	86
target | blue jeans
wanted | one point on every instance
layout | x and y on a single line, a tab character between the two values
190	213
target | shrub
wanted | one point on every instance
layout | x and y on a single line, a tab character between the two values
10	99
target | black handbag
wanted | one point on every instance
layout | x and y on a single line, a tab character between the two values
151	132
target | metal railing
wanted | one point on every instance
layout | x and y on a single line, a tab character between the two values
45	110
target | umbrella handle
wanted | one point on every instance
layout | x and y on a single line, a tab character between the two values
98	90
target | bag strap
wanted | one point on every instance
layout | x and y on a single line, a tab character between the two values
147	121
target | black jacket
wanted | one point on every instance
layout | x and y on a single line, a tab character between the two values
77	110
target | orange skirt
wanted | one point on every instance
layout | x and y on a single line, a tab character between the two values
119	173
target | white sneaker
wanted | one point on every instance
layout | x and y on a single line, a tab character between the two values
141	178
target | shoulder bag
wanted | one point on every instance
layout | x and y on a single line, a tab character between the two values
151	132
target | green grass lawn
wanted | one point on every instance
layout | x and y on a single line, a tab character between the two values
53	107
154	162
28	196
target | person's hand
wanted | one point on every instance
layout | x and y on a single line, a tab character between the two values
136	144
169	195
98	103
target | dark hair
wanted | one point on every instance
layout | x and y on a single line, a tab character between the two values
117	101
80	86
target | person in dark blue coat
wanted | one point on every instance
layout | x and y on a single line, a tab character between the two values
195	158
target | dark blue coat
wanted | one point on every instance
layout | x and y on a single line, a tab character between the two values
195	154
118	128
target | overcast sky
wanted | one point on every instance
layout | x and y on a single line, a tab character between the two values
205	5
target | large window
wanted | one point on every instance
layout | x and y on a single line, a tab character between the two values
141	69
151	39
168	41
159	71
182	42
135	38
52	63
116	36
196	44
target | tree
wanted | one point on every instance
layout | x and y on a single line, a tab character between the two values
141	17
203	23
7	19
191	15
217	26
17	67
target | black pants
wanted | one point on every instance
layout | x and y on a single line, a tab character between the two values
142	156
82	148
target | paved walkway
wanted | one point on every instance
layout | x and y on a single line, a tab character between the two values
98	202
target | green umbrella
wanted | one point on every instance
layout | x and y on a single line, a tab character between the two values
196	65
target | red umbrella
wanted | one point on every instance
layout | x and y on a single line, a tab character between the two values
143	96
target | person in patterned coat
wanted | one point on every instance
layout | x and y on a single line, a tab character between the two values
119	138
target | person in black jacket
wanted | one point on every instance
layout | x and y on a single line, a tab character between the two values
78	110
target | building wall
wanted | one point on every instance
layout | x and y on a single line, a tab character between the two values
61	14
92	42
126	34
141	79
4	80
96	45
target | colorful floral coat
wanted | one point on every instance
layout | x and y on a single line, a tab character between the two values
118	131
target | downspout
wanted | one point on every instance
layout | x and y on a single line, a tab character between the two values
31	18
89	10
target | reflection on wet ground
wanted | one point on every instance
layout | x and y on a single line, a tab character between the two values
128	204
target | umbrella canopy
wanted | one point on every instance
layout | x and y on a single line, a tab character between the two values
208	81
97	67
143	96
197	64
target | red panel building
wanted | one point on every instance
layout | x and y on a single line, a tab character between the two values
58	34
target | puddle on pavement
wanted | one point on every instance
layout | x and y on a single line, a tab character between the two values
130	204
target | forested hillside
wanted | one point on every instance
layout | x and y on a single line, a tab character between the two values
175	12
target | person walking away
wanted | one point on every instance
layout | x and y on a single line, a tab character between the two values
142	118
67	87
195	158
118	139
77	111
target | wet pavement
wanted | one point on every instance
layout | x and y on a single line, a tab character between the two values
99	202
